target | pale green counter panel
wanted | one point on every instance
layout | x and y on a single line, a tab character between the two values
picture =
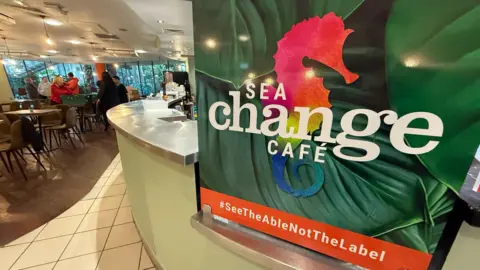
162	194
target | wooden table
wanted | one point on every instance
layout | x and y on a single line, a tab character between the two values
36	112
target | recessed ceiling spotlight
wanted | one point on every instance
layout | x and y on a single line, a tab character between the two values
73	41
52	51
243	38
140	51
43	56
51	21
211	43
160	21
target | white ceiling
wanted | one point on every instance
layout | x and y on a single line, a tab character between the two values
139	17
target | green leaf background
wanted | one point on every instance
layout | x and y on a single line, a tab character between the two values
398	198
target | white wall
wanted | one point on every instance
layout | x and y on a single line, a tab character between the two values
5	90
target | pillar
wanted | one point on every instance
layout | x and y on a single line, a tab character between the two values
190	63
99	69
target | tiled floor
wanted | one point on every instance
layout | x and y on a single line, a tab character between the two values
70	174
96	233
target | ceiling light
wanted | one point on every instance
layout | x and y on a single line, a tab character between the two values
411	62
94	58
211	43
73	41
251	75
243	38
309	74
49	41
140	51
160	21
269	81
94	74
51	67
19	2
53	22
116	65
43	56
114	54
52	51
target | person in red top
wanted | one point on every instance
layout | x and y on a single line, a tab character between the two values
72	84
58	88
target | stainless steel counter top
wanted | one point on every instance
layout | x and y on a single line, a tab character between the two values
156	131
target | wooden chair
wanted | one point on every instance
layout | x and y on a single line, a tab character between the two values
69	125
15	146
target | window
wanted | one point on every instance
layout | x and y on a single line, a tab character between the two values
16	72
148	81
77	71
159	68
36	70
130	75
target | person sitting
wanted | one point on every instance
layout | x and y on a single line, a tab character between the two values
44	88
31	88
72	84
58	88
122	90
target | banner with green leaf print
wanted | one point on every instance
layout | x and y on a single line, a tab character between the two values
403	57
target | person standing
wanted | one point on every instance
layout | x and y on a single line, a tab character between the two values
108	96
31	88
58	88
122	90
44	88
72	84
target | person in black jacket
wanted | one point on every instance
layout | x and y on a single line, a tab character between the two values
122	90
108	96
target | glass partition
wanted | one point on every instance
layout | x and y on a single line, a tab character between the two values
146	76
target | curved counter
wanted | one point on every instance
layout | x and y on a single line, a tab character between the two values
157	154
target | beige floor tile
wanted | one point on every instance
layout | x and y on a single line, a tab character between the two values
9	255
97	220
115	180
60	227
48	266
122	258
27	238
107	173
85	262
101	182
125	201
122	235
108	203
109	191
85	243
124	215
42	252
145	262
92	194
79	208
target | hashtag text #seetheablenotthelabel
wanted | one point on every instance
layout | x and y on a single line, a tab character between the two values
317	235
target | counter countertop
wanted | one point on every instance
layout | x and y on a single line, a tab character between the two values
156	131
